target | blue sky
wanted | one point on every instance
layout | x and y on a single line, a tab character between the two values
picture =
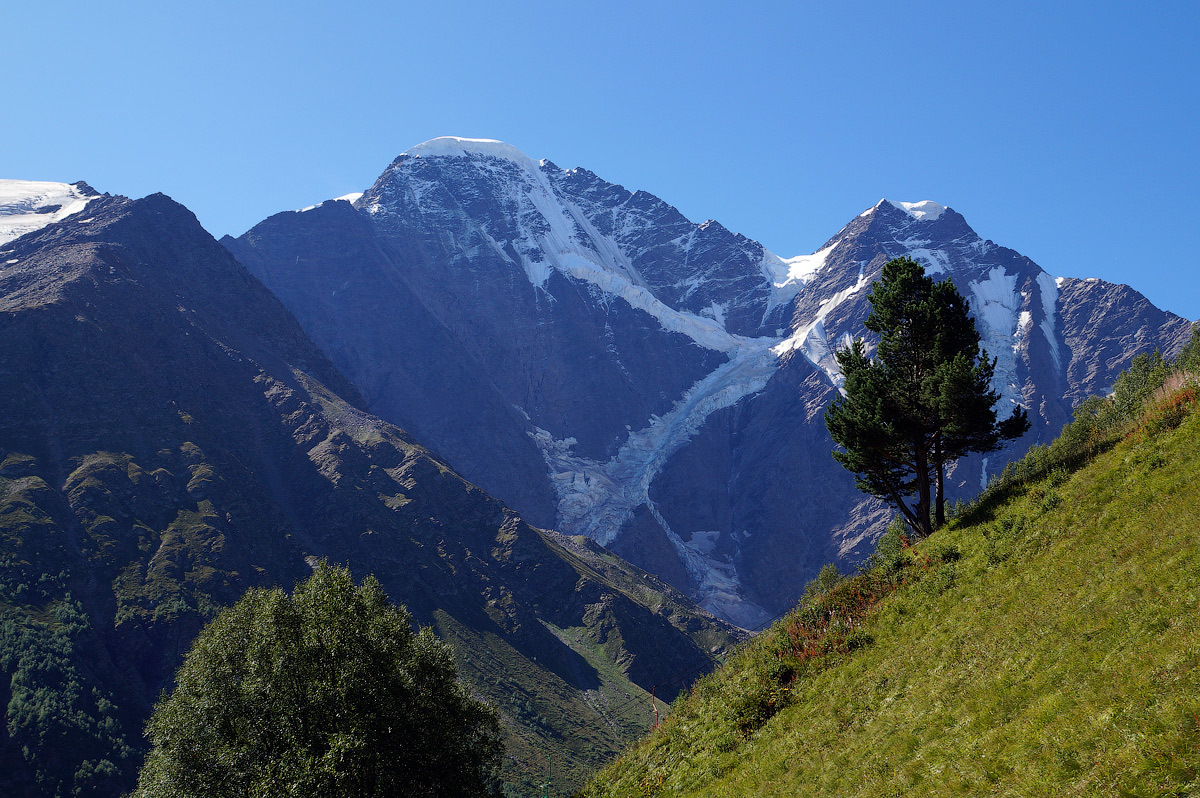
1069	131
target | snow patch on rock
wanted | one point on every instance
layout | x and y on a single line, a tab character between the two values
812	340
789	276
1049	290
707	332
935	261
996	303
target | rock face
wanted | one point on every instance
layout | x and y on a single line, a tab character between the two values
608	367
170	437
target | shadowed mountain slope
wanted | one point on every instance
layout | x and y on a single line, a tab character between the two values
169	437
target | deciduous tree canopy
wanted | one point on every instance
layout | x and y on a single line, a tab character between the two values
324	692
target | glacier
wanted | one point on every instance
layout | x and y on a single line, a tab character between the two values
29	205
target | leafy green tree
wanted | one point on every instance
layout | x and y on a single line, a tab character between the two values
923	401
1146	374
326	692
1188	359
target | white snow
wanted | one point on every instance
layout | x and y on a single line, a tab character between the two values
1058	281
351	198
935	261
789	276
716	311
1049	290
1024	322
707	332
923	211
25	206
812	340
455	147
996	304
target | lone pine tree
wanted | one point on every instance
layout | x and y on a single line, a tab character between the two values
923	401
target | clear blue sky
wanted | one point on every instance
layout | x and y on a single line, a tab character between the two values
1069	131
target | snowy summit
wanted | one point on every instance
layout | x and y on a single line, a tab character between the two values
455	147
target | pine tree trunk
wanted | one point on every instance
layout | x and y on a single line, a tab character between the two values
922	508
939	517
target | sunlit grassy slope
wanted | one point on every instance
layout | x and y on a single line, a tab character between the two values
1047	642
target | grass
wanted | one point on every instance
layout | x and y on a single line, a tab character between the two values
537	707
1045	643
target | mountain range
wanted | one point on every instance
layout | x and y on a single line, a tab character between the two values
609	368
182	419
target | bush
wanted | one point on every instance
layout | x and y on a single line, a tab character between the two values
824	581
1145	375
324	692
890	555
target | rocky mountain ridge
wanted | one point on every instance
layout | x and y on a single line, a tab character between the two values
169	437
655	384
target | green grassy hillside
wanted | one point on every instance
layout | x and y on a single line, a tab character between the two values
1045	642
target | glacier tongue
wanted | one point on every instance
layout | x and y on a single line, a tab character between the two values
1049	289
597	499
997	305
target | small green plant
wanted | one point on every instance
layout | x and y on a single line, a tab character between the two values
939	580
944	552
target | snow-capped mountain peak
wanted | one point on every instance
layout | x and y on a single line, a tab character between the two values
457	147
545	219
651	382
29	205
